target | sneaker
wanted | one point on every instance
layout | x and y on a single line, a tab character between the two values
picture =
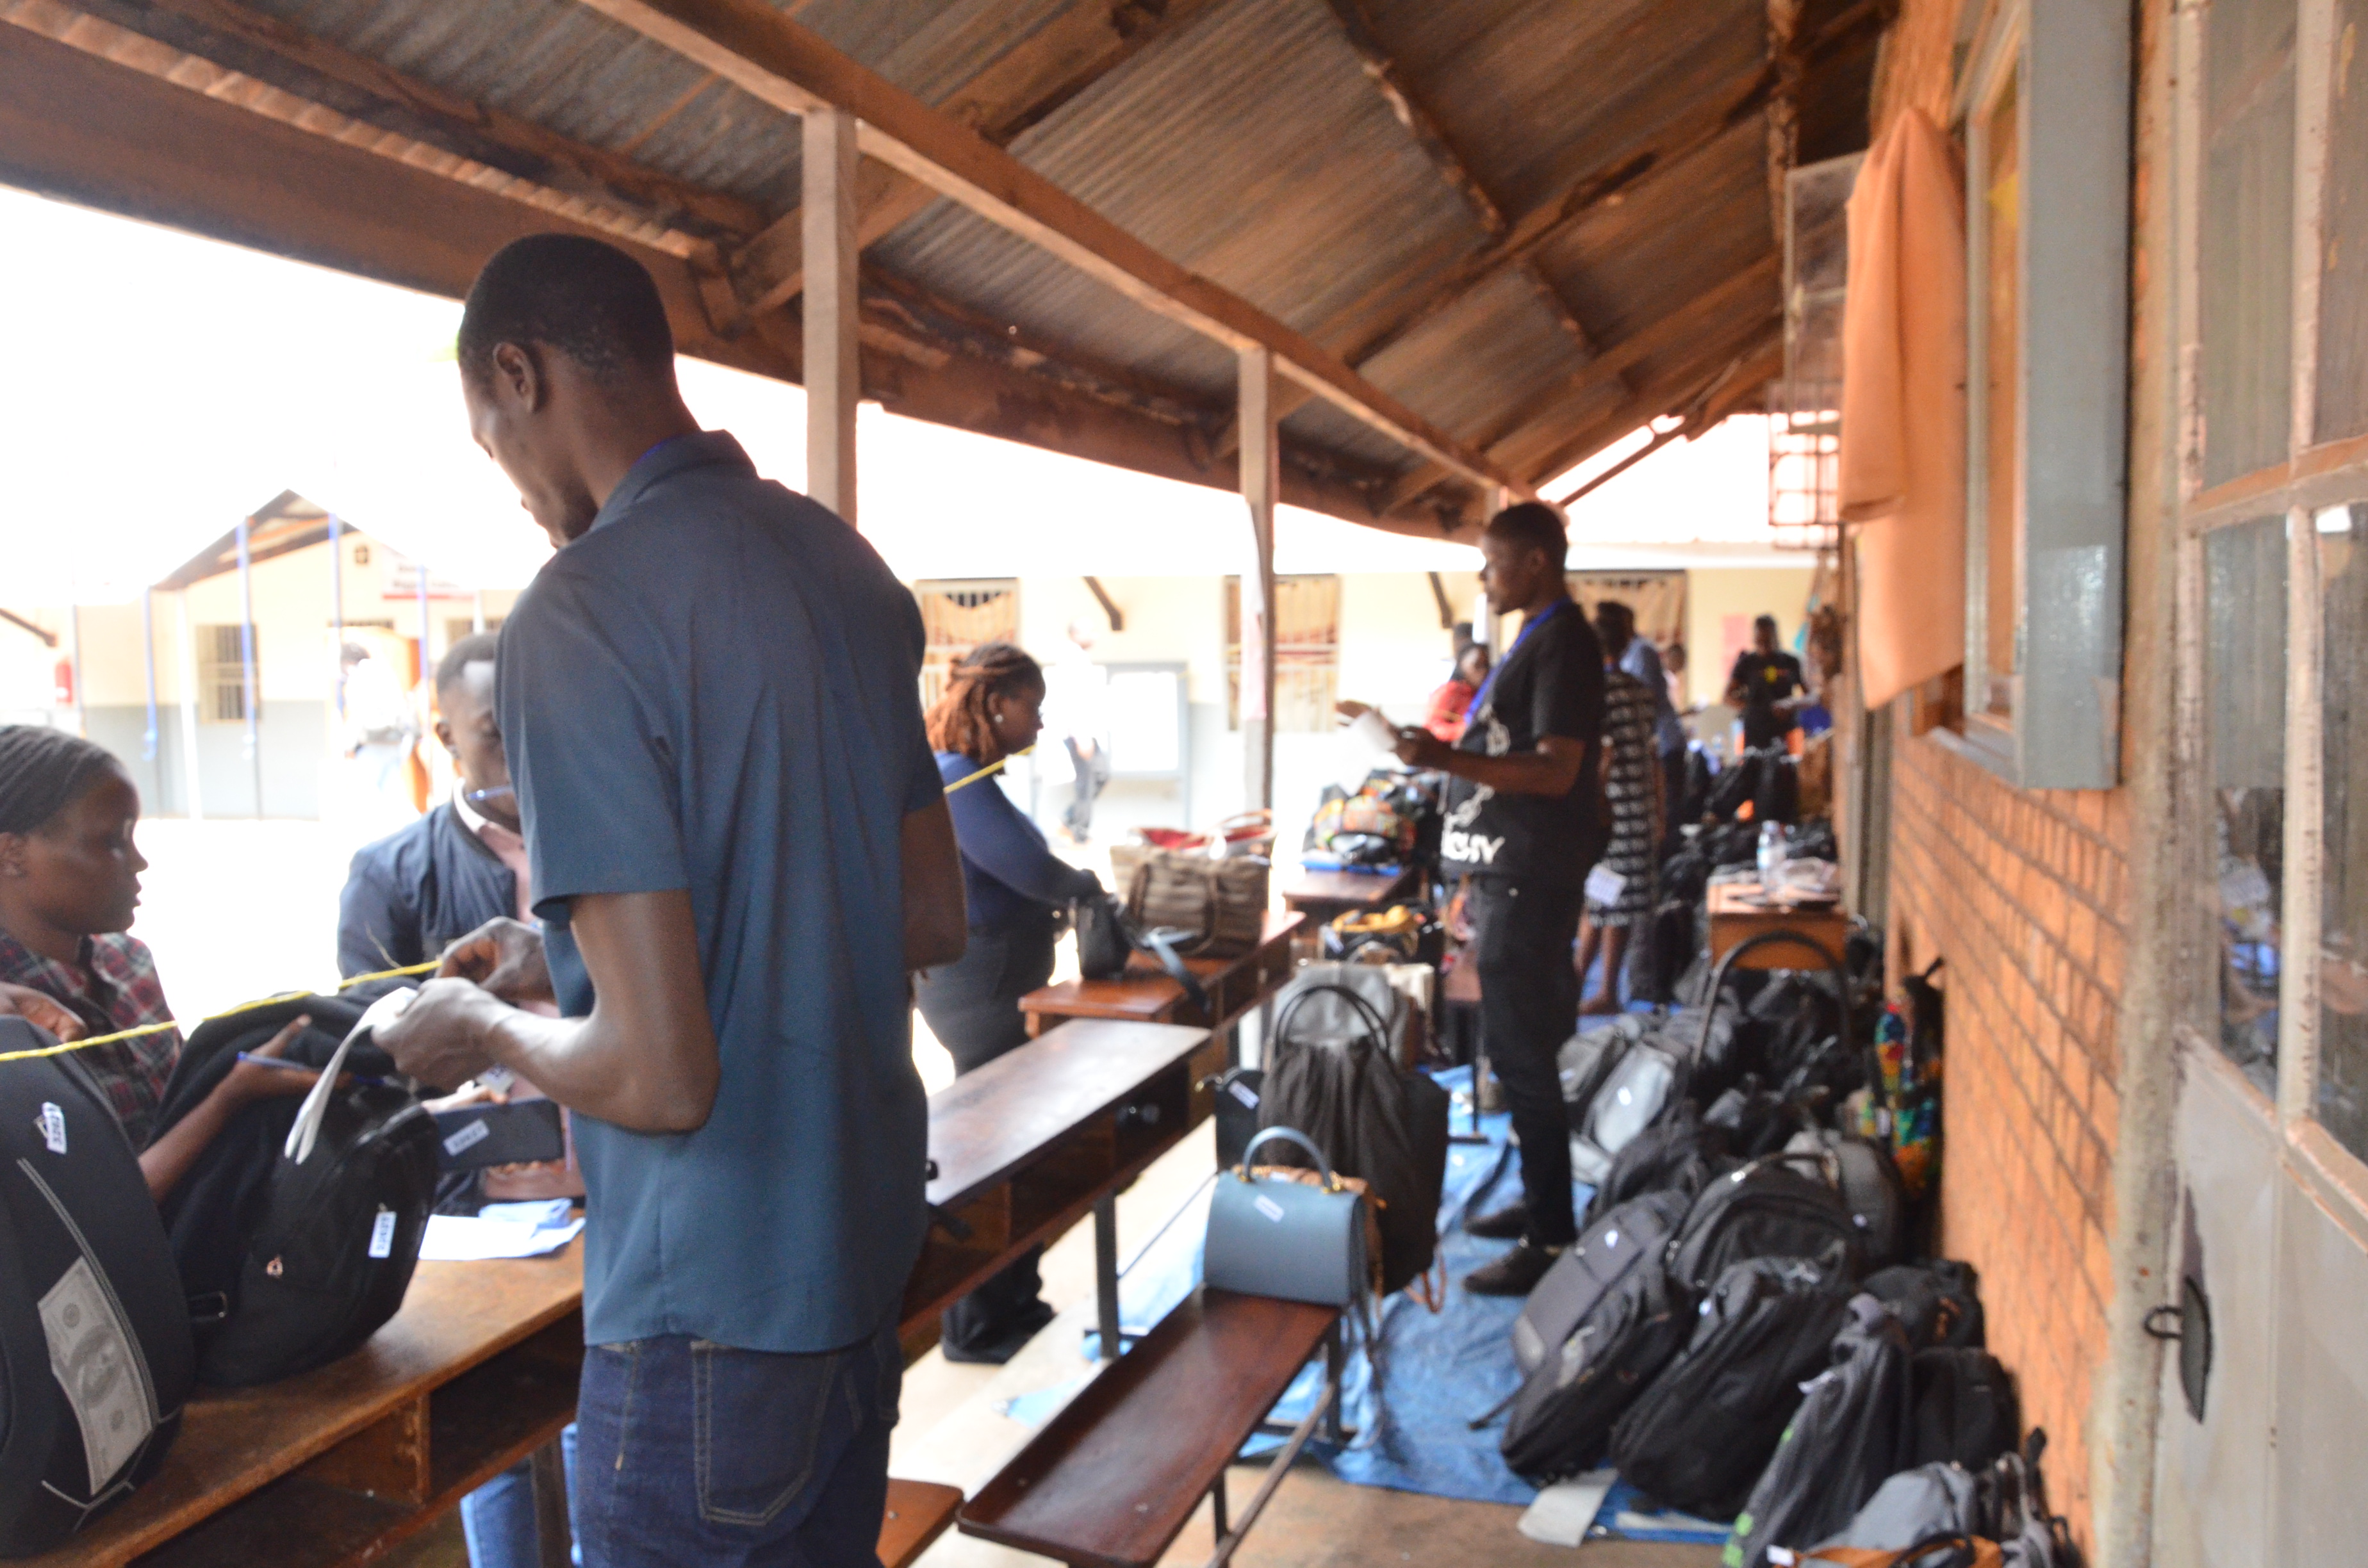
1515	1274
1510	1224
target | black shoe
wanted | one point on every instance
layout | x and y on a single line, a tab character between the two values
1515	1274
1510	1224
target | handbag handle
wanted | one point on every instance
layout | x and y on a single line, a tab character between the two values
1787	936
1377	1027
1290	1135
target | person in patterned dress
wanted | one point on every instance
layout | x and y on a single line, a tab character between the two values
1632	791
69	883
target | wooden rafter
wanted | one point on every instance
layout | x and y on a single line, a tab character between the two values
1727	371
1784	104
1619	177
1019	89
795	71
282	56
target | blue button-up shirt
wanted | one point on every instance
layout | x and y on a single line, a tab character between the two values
1642	660
715	690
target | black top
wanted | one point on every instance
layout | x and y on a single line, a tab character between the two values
1766	679
418	889
1550	684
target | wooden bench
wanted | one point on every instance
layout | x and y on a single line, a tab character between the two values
919	1512
1112	1480
1146	994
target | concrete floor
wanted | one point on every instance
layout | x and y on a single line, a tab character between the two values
953	1430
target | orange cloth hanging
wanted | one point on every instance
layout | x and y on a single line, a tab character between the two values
1903	443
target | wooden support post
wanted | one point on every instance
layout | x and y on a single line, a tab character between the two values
1262	480
833	361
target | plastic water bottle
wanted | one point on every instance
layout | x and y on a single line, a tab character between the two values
1771	857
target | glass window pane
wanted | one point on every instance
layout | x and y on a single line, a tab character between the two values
2343	964
2344	254
2247	260
2245	738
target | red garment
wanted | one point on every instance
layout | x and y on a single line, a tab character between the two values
113	987
1449	705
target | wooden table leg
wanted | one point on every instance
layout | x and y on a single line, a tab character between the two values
1106	1275
555	1541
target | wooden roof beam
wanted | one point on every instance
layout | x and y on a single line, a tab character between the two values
282	56
1019	89
1618	179
795	71
1706	381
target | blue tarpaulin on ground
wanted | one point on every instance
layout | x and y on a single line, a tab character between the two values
1438	1370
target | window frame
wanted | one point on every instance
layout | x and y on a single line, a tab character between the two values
2070	63
2314	476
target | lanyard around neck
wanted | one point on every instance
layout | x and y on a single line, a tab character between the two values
1528	624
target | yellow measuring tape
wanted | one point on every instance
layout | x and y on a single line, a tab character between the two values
226	1012
989	769
995	766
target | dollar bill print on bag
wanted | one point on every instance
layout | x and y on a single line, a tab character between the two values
92	1356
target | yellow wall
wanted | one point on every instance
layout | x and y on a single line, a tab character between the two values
1714	594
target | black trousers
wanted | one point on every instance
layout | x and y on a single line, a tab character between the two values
1528	1003
972	1006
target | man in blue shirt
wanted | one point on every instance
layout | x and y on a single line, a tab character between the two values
739	848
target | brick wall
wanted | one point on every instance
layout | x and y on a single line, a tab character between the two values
2025	893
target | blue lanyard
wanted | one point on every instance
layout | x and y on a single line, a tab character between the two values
1480	697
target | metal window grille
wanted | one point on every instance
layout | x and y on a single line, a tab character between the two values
1306	654
957	616
1805	407
221	675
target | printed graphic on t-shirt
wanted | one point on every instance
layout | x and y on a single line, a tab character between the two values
1457	842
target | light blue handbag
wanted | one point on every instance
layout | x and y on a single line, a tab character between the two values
1273	1236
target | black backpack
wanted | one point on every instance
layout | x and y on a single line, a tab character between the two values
1622	1240
1679	1156
95	1355
1765	1209
1848	1435
289	1265
1562	1416
1702	1433
1756	1120
1966	1410
1373	1120
1939	1303
1869	1186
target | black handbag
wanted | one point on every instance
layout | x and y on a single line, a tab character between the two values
1106	935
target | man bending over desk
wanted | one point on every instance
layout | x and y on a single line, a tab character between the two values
740	846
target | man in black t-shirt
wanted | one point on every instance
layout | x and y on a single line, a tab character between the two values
1525	825
1762	685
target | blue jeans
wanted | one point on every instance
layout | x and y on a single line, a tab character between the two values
498	1517
699	1454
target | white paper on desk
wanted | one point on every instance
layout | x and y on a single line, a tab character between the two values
1605	885
1563	1511
457	1238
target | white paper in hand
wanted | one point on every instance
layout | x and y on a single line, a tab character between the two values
1605	885
1373	732
309	1116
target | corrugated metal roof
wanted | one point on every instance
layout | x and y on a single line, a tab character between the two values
1249	141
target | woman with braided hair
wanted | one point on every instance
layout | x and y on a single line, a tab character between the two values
69	883
1017	889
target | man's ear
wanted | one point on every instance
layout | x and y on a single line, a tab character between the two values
517	376
12	854
444	735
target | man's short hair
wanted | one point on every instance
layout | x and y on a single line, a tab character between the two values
581	296
1612	615
1536	526
477	648
1767	621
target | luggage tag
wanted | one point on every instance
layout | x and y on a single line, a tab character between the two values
1605	885
52	1123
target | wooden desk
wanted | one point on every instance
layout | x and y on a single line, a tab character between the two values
1737	914
1144	993
479	1369
1324	896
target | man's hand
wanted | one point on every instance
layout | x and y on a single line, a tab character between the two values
42	1011
1419	748
439	1039
503	955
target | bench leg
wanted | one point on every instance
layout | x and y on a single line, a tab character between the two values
1106	1275
554	1542
1217	1502
1229	1541
1335	1364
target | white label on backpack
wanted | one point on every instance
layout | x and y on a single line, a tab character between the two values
1612	1238
93	1358
1243	1093
52	1124
468	1137
1268	1207
382	1231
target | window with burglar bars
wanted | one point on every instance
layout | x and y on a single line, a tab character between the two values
1306	654
221	675
957	616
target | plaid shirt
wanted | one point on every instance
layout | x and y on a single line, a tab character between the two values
112	987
